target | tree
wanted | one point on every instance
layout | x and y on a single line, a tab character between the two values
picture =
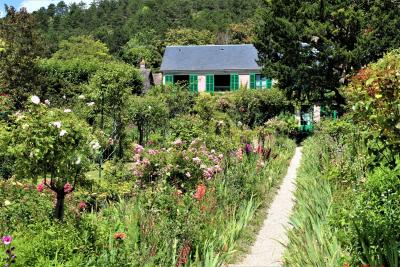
134	52
147	113
311	46
21	47
111	88
187	36
52	145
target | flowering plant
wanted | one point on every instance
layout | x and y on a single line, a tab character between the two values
180	166
51	145
10	259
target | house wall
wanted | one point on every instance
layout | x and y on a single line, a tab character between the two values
201	83
317	113
244	80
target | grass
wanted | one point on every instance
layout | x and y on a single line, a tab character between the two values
277	170
311	241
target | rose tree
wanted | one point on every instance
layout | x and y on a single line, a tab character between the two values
53	146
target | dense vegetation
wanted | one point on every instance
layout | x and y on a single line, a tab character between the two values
348	187
96	173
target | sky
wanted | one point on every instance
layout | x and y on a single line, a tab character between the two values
33	5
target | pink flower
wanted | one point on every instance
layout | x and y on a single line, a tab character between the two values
138	149
239	154
208	173
82	205
6	240
197	160
179	193
40	187
137	173
146	162
68	188
153	152
136	157
217	168
177	142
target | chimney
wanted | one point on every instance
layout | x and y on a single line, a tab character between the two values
142	64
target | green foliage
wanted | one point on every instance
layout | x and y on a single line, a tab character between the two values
374	96
310	47
188	37
375	233
134	52
21	46
52	145
255	107
148	113
311	240
115	23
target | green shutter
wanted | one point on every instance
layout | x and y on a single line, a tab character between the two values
269	83
252	81
210	83
169	79
193	83
234	84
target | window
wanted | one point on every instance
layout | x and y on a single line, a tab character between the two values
222	83
263	82
193	83
234	84
210	83
169	79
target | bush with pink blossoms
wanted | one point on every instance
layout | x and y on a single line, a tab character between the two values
180	166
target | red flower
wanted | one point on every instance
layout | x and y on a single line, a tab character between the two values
82	205
40	187
200	192
68	188
119	236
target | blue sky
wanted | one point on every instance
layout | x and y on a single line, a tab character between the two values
33	5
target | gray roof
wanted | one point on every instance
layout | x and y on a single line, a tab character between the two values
205	58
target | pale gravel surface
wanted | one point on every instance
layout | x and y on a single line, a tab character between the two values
268	250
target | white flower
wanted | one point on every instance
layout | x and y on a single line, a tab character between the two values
81	97
7	203
35	99
67	110
64	97
90	104
78	161
63	132
57	124
95	145
149	107
47	102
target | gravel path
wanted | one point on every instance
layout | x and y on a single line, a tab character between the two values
268	250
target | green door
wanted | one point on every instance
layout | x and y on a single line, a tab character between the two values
210	83
234	84
169	79
193	83
252	81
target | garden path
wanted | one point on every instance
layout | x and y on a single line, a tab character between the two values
268	249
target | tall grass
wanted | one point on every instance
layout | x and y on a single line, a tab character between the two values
311	241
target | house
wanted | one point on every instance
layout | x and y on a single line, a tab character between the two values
213	68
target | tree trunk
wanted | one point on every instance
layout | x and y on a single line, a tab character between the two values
59	208
141	134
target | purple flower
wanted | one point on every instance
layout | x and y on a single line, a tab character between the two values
138	149
6	239
248	149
